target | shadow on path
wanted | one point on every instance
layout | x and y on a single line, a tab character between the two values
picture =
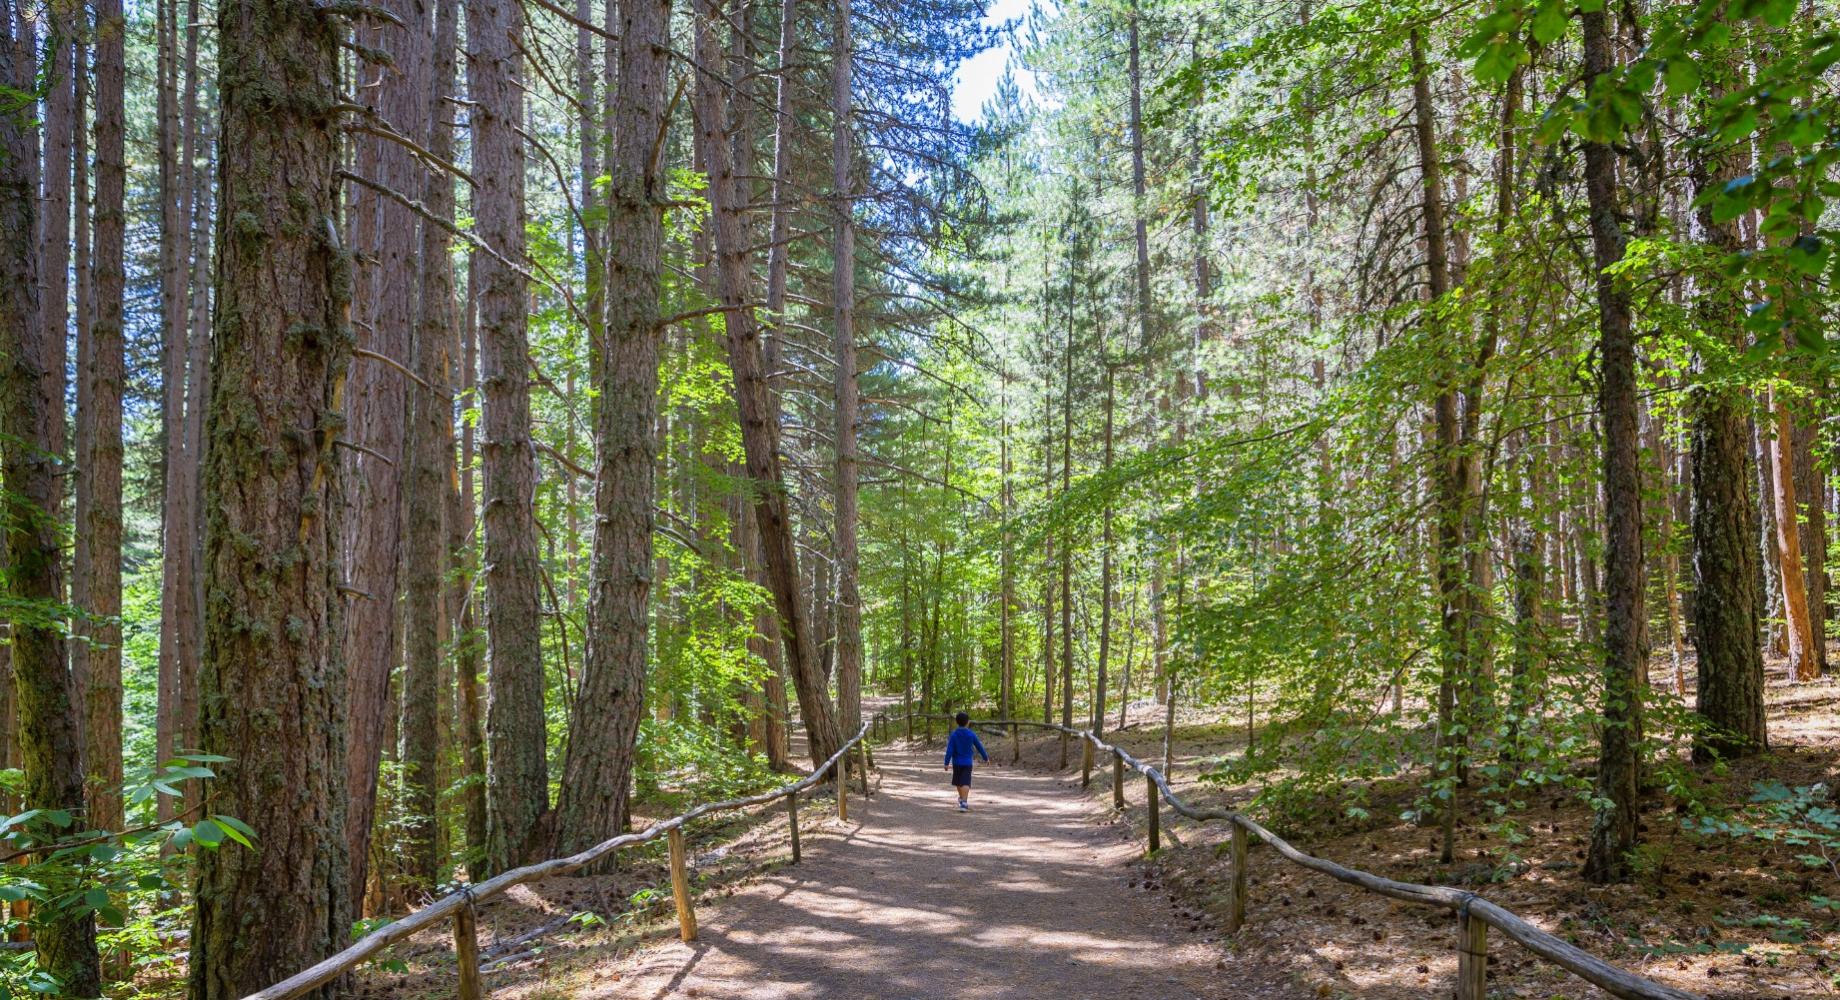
1022	897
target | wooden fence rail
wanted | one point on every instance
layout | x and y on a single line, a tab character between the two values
1475	913
459	905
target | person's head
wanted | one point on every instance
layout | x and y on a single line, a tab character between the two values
962	719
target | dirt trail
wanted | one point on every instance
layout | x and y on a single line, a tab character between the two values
1022	897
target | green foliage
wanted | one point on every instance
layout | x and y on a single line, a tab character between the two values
130	880
696	762
1804	821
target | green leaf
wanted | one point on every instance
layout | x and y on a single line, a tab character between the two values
236	830
1548	22
1682	76
208	833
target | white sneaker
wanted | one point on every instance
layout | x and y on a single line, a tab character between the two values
964	807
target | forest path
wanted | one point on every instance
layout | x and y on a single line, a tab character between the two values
1022	897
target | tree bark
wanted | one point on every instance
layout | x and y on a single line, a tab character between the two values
1066	535
273	676
759	423
185	222
843	264
461	519
1810	480
100	521
1450	566
517	769
1047	579
1006	586
1105	567
785	119
604	721
1614	831
1140	229
66	21
1797	623
387	241
54	238
426	619
177	640
30	486
1726	631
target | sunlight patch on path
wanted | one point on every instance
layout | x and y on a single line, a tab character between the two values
1023	897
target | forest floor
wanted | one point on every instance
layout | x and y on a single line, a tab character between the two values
1030	895
1025	896
1710	915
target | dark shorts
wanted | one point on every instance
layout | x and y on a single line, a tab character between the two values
961	775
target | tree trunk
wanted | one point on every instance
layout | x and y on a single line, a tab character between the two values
1139	223
759	423
1797	625
1809	477
604	721
1769	591
427	622
54	249
468	644
1614	830
372	539
30	485
517	769
1726	630
1006	587
176	646
595	133
1047	580
785	119
185	331
100	521
1449	469
1528	670
843	263
1105	569
271	503
1066	535
54	238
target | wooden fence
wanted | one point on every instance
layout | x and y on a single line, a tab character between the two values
459	906
1475	914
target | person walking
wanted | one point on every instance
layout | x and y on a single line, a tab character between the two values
959	749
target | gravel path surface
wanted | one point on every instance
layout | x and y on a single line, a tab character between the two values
1024	896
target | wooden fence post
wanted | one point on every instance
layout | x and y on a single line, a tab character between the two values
680	886
1117	782
1236	902
1015	743
1156	814
1472	956
792	819
466	951
840	777
862	752
1086	762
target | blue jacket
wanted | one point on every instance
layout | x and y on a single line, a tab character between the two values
960	744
